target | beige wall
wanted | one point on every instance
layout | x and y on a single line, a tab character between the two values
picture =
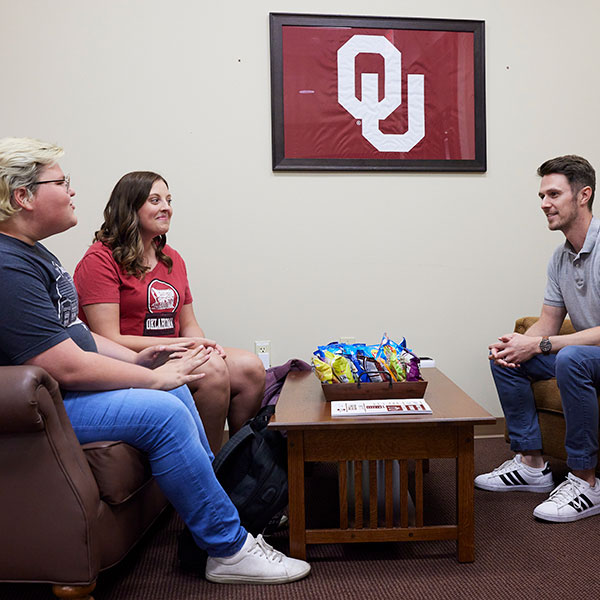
447	260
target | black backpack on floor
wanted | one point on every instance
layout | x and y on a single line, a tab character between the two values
252	468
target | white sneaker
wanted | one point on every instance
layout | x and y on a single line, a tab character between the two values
573	499
515	476
256	562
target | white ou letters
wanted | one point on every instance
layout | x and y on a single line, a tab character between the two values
369	109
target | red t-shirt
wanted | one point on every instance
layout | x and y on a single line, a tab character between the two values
149	306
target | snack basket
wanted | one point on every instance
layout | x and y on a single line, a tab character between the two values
374	390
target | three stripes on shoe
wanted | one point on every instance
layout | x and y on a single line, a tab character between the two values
514	477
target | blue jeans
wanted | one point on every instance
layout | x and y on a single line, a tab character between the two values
167	427
577	372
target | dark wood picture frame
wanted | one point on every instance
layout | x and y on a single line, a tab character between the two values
281	162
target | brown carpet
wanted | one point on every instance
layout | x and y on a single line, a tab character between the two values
516	556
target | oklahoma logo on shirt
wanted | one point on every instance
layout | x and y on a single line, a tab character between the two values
163	300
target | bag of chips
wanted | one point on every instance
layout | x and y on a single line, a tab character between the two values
349	363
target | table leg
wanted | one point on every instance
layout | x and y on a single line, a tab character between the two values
297	515
465	506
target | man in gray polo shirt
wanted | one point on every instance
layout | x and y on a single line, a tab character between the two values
567	192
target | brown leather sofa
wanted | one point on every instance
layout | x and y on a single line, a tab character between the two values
547	401
67	511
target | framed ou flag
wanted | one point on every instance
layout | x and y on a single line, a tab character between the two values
377	93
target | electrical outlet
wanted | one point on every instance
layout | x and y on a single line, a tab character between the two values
347	340
263	350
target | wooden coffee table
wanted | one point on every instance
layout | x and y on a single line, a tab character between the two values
314	436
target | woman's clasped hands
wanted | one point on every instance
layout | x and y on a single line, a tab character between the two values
175	363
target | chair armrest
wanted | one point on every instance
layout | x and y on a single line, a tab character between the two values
22	396
50	502
31	402
524	323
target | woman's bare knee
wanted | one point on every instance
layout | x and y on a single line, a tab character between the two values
246	372
215	380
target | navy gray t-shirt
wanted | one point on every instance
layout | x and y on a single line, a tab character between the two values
38	303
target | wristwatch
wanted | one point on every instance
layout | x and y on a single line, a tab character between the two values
546	345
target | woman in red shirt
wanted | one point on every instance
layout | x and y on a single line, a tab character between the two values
133	289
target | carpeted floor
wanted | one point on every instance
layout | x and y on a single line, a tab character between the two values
516	556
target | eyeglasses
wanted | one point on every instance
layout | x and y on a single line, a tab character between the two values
66	182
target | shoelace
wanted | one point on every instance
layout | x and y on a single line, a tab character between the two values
505	466
567	491
267	550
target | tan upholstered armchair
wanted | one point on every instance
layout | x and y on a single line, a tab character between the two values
547	400
66	511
